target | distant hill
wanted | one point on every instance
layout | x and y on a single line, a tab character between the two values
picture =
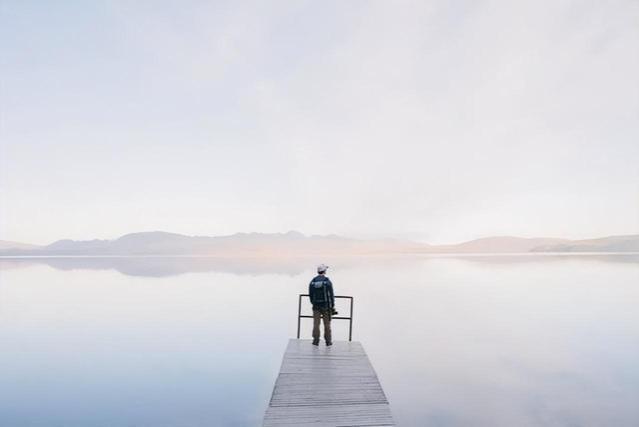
6	245
604	244
294	243
509	244
239	244
498	244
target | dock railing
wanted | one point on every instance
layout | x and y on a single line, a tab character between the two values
349	318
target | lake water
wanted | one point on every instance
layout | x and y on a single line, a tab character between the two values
471	341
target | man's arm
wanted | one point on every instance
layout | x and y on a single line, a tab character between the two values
310	293
330	292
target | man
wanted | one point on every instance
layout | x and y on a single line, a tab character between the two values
320	291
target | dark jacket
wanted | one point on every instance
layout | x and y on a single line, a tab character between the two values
320	291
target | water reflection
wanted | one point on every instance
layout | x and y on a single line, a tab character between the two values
456	341
166	266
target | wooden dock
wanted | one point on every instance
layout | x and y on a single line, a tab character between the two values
327	387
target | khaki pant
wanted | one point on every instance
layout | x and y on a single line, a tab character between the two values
325	314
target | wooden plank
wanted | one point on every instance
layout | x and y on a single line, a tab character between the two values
327	387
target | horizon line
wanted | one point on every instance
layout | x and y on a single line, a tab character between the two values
344	236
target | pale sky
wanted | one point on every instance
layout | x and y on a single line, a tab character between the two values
439	121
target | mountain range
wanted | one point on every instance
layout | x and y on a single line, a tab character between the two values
295	243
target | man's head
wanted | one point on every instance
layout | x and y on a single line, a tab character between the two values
321	269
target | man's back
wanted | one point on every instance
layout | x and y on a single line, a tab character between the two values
320	291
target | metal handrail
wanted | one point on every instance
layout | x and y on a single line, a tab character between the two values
349	318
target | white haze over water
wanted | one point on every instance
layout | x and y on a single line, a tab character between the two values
440	121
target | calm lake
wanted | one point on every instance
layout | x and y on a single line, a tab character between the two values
456	341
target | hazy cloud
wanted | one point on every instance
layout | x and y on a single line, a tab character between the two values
439	120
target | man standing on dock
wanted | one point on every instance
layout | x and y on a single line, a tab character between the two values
321	294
